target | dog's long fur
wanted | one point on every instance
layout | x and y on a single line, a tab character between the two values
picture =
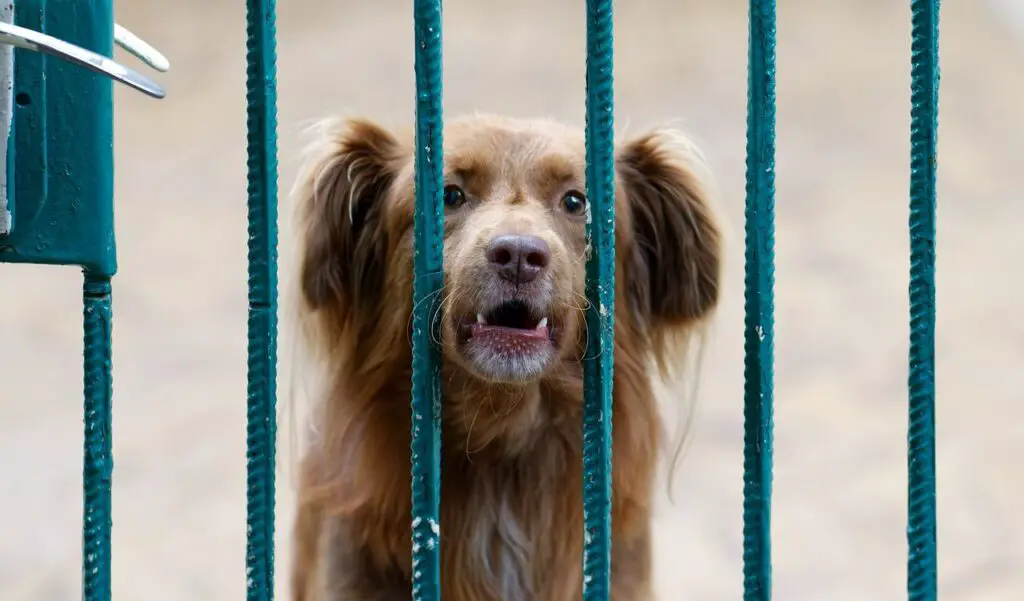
511	512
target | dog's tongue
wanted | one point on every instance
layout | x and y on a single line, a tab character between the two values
509	337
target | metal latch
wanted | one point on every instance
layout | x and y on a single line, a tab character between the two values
28	39
12	35
138	47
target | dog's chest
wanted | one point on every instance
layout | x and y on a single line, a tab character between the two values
510	537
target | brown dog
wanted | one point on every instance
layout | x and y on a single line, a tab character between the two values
512	331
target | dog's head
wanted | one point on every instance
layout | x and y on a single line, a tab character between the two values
515	243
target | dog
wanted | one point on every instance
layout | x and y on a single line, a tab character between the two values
513	334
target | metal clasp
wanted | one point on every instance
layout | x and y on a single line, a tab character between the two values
138	47
28	39
12	36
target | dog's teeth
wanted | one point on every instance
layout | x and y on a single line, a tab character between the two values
542	323
480	319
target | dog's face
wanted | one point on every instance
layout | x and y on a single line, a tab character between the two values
515	223
515	245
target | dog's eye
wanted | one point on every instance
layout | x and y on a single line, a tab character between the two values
575	202
453	196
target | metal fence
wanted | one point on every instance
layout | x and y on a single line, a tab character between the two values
56	207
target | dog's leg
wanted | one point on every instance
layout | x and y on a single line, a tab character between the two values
306	537
631	567
305	576
327	563
352	571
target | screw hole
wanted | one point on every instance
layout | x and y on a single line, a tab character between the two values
23	99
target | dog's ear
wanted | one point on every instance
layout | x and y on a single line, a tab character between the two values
673	270
342	199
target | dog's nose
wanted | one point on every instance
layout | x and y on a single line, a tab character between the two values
518	259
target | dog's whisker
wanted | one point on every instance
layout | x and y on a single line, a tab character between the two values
586	302
469	431
427	299
490	401
450	300
518	398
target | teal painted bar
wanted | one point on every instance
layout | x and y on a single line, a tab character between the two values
428	231
759	304
97	457
64	215
922	521
261	428
599	364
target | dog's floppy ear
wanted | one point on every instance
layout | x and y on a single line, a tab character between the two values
342	200
673	273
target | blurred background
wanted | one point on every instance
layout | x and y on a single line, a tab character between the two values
843	93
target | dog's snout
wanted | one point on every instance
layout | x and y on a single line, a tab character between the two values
518	259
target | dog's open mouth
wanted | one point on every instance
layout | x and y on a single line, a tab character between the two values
511	324
510	342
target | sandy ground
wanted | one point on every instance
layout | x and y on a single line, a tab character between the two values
842	304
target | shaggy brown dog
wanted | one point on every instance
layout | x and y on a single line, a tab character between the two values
512	331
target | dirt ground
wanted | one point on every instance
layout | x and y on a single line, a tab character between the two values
840	506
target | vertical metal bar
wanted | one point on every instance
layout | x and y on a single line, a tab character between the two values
759	329
428	280
598	365
922	562
261	105
98	463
